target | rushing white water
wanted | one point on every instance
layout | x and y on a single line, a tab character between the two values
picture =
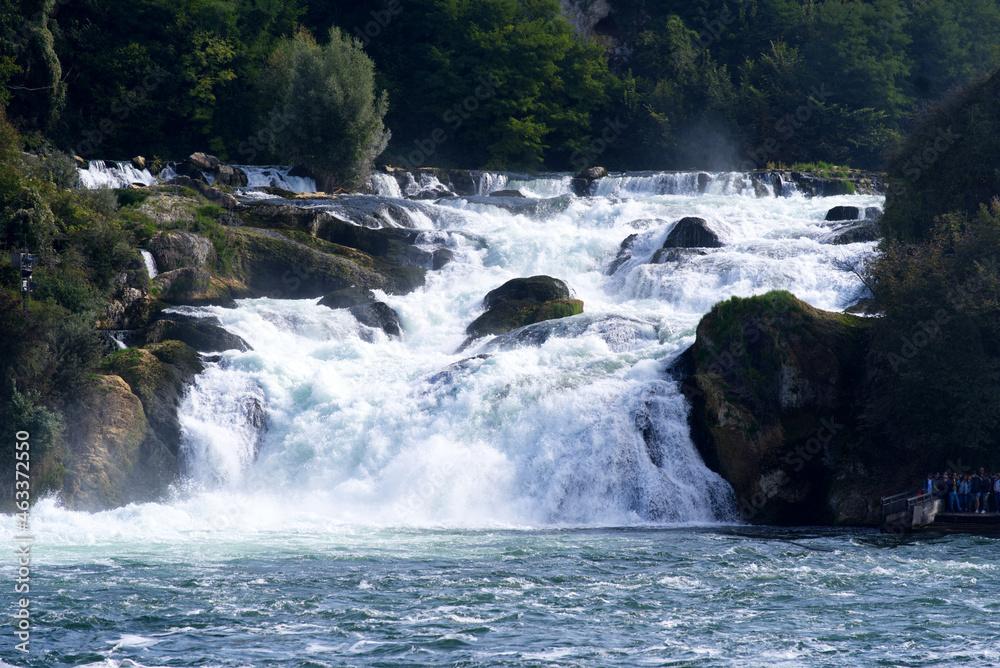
107	174
569	422
277	177
150	263
584	428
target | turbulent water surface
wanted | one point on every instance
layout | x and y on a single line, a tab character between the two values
410	505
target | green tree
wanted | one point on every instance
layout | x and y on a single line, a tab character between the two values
326	114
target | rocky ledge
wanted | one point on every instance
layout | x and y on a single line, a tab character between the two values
773	384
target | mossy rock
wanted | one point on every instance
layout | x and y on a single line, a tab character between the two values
772	383
559	308
290	265
158	376
202	336
537	289
105	443
193	286
512	314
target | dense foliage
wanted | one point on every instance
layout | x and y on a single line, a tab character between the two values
326	114
935	359
504	83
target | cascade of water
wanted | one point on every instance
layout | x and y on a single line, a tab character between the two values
102	174
150	263
568	422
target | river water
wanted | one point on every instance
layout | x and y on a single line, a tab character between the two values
529	501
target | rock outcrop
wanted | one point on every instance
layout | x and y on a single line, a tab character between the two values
773	383
106	445
174	250
523	301
692	232
158	375
203	336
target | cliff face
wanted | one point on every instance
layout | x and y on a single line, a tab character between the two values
773	384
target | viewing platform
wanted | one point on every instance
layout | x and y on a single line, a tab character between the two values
925	513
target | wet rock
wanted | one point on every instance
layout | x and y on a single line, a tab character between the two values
624	254
537	289
227	175
839	213
204	337
771	383
507	193
854	232
692	232
106	440
193	286
347	298
378	315
158	375
139	162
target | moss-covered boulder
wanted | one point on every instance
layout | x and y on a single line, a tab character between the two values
204	337
523	301
195	286
106	443
158	376
292	264
536	289
773	383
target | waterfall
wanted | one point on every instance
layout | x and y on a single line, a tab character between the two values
150	263
101	174
568	422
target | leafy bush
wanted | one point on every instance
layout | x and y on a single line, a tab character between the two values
326	113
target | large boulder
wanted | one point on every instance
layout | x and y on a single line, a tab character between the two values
194	286
158	375
226	175
838	213
523	301
173	250
854	232
692	232
205	337
105	443
536	289
581	183
772	383
295	265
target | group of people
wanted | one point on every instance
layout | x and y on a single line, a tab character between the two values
966	493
